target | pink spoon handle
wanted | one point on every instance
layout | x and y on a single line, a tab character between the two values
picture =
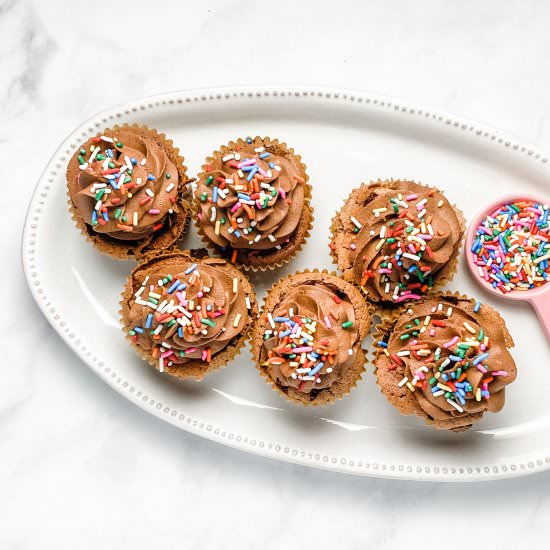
541	304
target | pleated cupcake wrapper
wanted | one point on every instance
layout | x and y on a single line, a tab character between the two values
123	250
195	368
441	279
277	258
386	326
325	396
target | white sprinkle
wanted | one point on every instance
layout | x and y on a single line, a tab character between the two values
236	320
270	319
135	218
169	188
128	162
355	222
231	156
143	161
413	257
235	285
271	238
449	311
455	405
403	382
106	138
213	213
161	364
259	149
149	192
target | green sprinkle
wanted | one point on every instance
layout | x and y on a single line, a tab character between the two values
209	180
404	336
82	151
112	165
432	380
118	212
81	159
101	157
99	194
171	323
119	144
208	322
347	324
480	335
167	176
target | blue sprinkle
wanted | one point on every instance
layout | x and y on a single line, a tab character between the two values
183	286
316	369
106	216
281	319
480	358
477	306
271	165
215	194
150	177
382	344
191	269
264	155
133	160
252	173
180	331
94	216
175	285
237	233
455	358
149	320
138	330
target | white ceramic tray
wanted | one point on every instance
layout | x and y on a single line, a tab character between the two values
344	138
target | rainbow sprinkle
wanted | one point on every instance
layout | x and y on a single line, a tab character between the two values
444	369
181	307
512	246
116	178
298	353
405	260
238	193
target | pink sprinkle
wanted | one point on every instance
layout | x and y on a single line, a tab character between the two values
407	297
411	197
204	354
180	297
304	349
262	172
353	246
451	342
432	332
248	162
327	322
200	294
499	373
481	368
384	270
236	206
190	350
166	354
282	192
154	211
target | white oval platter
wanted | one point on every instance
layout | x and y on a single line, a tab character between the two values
344	137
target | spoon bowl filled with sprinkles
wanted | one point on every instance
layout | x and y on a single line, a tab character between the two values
508	251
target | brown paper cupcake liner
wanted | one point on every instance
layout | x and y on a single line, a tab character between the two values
443	277
277	258
195	368
407	405
328	395
123	250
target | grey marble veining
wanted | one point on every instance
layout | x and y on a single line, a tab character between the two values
83	468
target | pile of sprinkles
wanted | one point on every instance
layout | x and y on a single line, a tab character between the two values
403	264
298	353
512	246
251	187
173	316
445	368
117	182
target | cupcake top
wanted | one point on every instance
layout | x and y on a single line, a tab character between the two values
446	358
393	238
184	313
311	333
125	184
251	196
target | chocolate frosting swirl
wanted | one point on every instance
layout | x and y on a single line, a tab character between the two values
124	184
393	239
323	311
251	196
446	359
185	310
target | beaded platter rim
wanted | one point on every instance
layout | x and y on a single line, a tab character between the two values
177	417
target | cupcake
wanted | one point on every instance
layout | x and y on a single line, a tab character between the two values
307	341
253	203
187	316
445	358
396	240
126	188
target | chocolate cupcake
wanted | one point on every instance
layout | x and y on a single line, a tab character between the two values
127	188
396	240
445	358
307	341
253	203
187	316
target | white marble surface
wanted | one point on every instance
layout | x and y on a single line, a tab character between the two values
80	467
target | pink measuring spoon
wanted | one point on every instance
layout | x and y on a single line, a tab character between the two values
538	297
